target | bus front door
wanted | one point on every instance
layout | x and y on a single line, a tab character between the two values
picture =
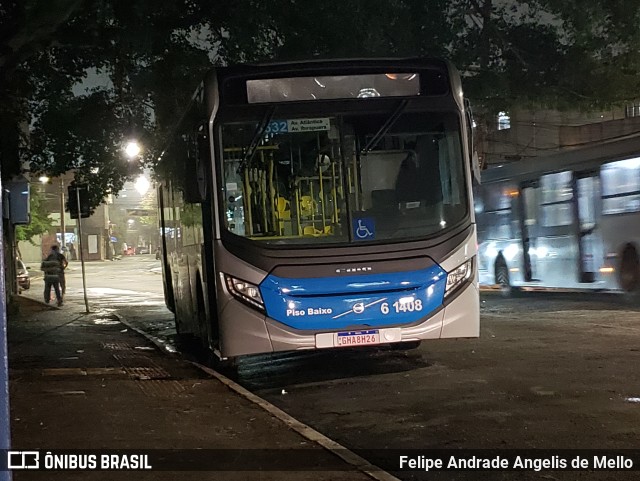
528	214
586	195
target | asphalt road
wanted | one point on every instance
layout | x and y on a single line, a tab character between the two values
548	371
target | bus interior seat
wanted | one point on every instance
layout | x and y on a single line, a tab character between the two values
283	208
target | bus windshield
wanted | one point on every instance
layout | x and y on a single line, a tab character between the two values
350	178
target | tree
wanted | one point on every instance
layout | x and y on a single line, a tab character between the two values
540	52
40	221
27	27
550	53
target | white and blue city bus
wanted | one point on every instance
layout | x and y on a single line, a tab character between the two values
566	220
321	204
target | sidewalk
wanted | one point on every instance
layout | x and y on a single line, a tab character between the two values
82	381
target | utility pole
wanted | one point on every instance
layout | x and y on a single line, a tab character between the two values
84	278
5	419
62	226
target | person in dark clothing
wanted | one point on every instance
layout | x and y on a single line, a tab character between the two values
408	185
419	175
53	270
63	264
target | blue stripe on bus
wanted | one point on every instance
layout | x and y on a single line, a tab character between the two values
354	302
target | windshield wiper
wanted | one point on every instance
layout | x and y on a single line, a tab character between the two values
385	127
260	130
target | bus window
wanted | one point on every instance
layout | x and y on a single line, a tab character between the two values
621	186
557	195
292	185
530	199
495	203
306	173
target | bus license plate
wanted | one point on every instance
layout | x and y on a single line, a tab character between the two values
357	338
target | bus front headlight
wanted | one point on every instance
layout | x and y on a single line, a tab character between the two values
245	292
458	276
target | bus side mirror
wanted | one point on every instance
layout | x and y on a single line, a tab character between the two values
475	167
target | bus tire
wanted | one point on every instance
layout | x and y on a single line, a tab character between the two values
502	277
629	277
179	331
167	287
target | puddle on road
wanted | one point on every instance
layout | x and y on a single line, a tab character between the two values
106	322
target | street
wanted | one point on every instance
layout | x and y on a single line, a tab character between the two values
548	371
131	286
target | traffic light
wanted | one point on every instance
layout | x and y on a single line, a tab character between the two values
82	191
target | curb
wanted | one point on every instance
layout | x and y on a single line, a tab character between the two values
304	430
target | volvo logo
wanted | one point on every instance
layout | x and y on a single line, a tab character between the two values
358	308
353	270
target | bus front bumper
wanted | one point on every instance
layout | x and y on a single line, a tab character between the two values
247	331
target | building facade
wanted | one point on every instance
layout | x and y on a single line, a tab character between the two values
523	134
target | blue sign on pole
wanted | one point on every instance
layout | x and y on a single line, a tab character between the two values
5	433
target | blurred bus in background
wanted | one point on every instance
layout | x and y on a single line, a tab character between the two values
568	220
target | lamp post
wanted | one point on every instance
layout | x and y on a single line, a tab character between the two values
63	228
80	245
132	149
142	185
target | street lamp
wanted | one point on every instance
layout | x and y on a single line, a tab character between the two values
132	149
142	185
44	179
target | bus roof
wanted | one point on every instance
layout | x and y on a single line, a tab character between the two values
581	159
438	77
325	66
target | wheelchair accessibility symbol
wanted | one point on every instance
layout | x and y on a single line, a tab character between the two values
365	229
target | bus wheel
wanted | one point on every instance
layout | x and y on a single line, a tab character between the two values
629	270
185	341
502	278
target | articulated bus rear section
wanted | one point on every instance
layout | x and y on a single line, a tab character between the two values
563	221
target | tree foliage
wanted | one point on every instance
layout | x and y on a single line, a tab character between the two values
40	221
553	53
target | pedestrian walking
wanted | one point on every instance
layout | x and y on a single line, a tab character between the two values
63	265
72	252
52	267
